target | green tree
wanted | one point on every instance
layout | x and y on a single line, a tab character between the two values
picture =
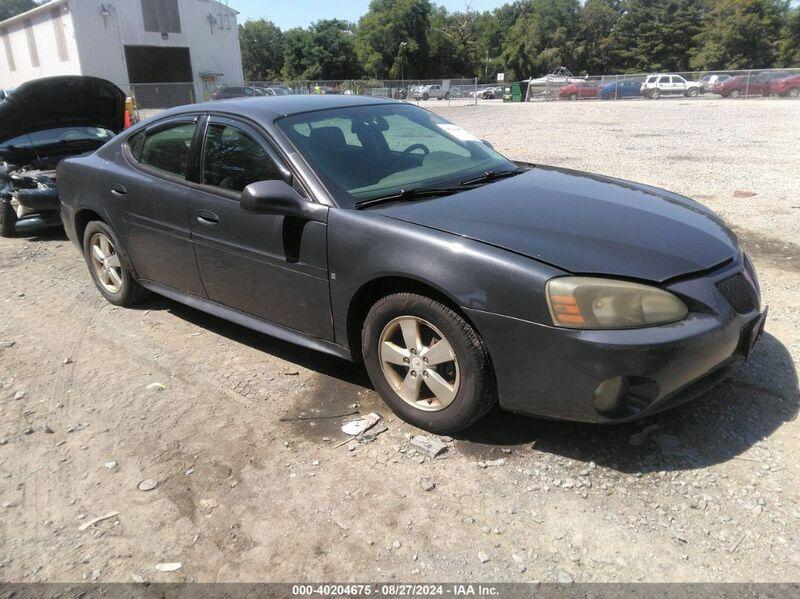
262	50
452	43
789	48
387	25
657	35
598	20
11	8
324	51
542	38
740	34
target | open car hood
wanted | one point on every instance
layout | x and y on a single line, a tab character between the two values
582	223
62	102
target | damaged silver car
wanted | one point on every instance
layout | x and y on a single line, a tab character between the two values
41	123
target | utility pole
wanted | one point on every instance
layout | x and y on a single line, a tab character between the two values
486	74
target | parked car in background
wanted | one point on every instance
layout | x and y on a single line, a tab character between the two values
786	86
224	92
708	82
625	88
752	84
490	93
426	92
41	123
579	90
398	238
275	90
659	85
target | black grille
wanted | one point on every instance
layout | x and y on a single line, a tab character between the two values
739	293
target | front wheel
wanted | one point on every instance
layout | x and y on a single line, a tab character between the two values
655	94
573	97
794	92
734	94
428	363
425	97
8	220
447	96
692	93
101	249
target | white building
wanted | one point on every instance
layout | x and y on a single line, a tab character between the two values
128	42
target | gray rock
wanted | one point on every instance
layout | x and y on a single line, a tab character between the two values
432	447
19	395
483	557
147	484
564	577
428	484
7	343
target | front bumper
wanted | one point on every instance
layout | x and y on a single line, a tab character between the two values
553	372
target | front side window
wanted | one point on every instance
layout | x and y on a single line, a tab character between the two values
232	159
664	80
166	149
366	152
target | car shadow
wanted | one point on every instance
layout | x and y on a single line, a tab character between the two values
322	363
718	426
721	425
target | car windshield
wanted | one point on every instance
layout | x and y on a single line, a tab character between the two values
64	135
367	152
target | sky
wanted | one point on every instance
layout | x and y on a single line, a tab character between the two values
301	13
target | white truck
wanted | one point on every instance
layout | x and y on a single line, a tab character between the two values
426	92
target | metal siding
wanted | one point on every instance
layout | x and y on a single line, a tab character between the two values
101	44
58	32
10	64
35	49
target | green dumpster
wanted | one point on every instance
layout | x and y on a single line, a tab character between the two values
512	93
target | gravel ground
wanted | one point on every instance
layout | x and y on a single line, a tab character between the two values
95	399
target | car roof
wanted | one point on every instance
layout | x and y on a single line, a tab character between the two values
269	108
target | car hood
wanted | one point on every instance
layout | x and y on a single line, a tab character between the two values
582	223
61	102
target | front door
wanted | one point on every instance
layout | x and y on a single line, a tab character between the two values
268	266
152	201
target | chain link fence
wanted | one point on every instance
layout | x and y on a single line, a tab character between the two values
695	84
151	98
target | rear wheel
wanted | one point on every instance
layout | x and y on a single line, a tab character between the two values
427	362
447	96
794	92
426	96
8	220
101	249
692	92
573	97
734	93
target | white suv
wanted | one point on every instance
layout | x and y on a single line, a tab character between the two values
669	85
426	92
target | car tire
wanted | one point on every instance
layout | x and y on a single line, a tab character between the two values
8	220
573	97
691	93
794	92
119	287
447	96
469	391
734	94
655	94
426	96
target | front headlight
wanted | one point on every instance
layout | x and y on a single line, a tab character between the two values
594	303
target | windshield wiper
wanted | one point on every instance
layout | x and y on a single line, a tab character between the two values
411	194
492	175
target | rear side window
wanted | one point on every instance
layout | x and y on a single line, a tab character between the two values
664	80
232	160
165	149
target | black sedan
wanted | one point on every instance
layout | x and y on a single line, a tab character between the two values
375	230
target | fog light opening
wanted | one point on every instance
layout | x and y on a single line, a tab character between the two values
608	395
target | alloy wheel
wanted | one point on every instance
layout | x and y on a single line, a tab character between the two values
419	363
105	262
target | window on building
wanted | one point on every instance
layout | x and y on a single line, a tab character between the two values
58	30
161	16
12	66
31	42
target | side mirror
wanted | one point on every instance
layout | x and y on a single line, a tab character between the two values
280	198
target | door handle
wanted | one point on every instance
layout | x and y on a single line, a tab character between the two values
207	218
118	190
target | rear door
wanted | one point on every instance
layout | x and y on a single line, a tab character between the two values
268	266
152	199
